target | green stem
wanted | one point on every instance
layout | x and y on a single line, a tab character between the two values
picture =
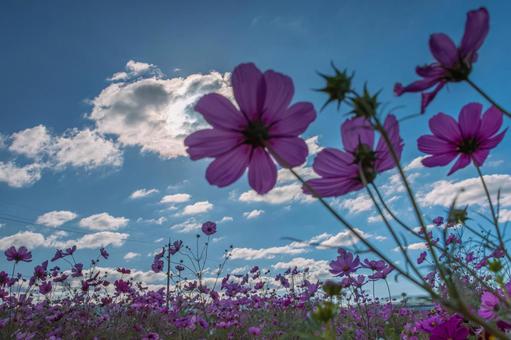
487	97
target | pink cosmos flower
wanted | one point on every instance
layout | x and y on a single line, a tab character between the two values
453	64
254	331
45	287
489	306
345	264
104	253
209	228
175	247
340	170
374	264
241	138
22	254
451	329
471	138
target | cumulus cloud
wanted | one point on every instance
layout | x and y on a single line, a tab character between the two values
267	253
188	226
413	246
154	113
56	218
249	215
284	194
130	255
19	177
197	208
31	142
33	240
136	69
175	198
358	204
318	269
141	193
103	221
505	215
160	220
468	191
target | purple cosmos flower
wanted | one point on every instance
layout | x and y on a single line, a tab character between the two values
453	64
209	228
471	138
242	138
45	287
104	253
175	247
438	221
340	170
157	265
451	329
374	265
422	257
121	286
22	254
489	306
58	255
345	264
254	331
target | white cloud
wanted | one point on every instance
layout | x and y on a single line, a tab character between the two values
56	218
197	208
155	113
313	145
86	148
141	193
318	269
130	256
416	163
33	240
19	177
190	225
31	142
136	69
160	220
413	246
284	194
103	221
470	191
342	239
175	198
249	215
226	219
267	253
2	141
505	215
360	203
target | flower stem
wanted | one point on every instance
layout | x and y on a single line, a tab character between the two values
167	297
487	97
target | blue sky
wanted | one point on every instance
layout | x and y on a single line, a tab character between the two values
96	99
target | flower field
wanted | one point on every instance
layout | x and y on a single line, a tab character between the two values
463	270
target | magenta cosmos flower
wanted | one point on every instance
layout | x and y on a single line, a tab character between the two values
453	64
209	228
345	264
20	255
451	329
340	170
471	138
242	138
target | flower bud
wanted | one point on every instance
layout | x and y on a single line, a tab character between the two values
337	86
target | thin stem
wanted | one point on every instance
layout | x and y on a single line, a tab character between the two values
487	97
492	209
167	299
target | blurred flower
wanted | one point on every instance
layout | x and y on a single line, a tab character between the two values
175	247
340	170
242	138
438	221
453	64
45	287
22	254
374	265
104	253
345	264
209	228
422	257
157	265
254	331
451	329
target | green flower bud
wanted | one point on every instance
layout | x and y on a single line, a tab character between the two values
365	105
495	266
457	216
337	86
332	288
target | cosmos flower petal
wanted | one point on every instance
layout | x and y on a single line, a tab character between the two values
445	127
416	86
439	159
443	49
292	150
384	160
211	143
294	121
477	27
262	171
461	163
331	162
427	97
279	92
480	156
229	167
220	112
470	119
249	89
493	142
356	131
430	71
434	145
332	187
491	122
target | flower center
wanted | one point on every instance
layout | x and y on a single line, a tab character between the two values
468	146
256	133
365	158
459	72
